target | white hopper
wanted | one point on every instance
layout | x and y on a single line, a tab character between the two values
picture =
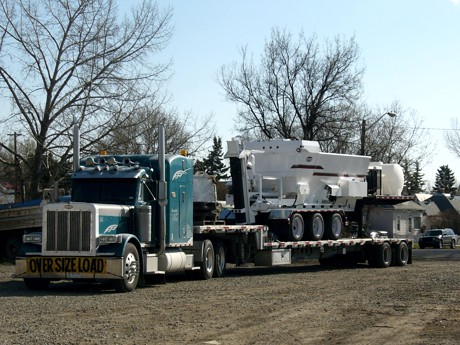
297	167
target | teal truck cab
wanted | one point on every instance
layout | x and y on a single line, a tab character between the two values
120	221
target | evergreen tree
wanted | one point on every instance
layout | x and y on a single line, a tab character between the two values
214	162
199	165
414	179
445	180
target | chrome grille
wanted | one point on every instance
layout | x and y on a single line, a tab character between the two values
68	230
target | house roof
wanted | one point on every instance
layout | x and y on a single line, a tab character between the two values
439	203
404	206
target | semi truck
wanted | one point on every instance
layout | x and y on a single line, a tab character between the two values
135	218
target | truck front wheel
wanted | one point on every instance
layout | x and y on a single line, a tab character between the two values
130	270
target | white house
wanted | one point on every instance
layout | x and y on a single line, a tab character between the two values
403	220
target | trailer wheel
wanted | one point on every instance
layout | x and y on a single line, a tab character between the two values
219	259
401	254
36	283
207	266
130	270
296	227
381	255
333	226
315	227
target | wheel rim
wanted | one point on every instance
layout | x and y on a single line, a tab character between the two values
297	227
318	226
130	268
208	260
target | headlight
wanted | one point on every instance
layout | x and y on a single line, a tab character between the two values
108	239
33	237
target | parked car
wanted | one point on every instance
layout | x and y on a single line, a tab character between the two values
438	238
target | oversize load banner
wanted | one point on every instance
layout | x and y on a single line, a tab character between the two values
66	265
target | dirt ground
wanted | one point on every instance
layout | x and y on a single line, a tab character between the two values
300	304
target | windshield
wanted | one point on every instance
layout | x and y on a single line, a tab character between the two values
434	233
105	191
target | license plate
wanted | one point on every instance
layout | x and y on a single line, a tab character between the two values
66	265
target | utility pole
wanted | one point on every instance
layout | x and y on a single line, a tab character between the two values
17	172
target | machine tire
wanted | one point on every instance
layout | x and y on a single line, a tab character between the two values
401	254
421	246
315	227
208	264
36	283
333	226
220	259
11	248
131	267
296	227
452	244
381	256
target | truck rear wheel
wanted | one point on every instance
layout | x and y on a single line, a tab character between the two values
296	227
333	226
208	263
220	260
401	254
36	283
380	255
130	270
315	227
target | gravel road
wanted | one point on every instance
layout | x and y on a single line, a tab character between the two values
300	304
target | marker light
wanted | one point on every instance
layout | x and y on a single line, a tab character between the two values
108	239
33	237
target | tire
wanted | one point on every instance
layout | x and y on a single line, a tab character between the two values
401	254
208	264
315	227
333	226
220	259
11	248
131	267
421	246
36	283
296	227
381	255
452	244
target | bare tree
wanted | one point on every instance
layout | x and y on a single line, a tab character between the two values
62	60
139	134
299	91
400	139
453	137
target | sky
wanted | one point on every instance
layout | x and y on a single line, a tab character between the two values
410	50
